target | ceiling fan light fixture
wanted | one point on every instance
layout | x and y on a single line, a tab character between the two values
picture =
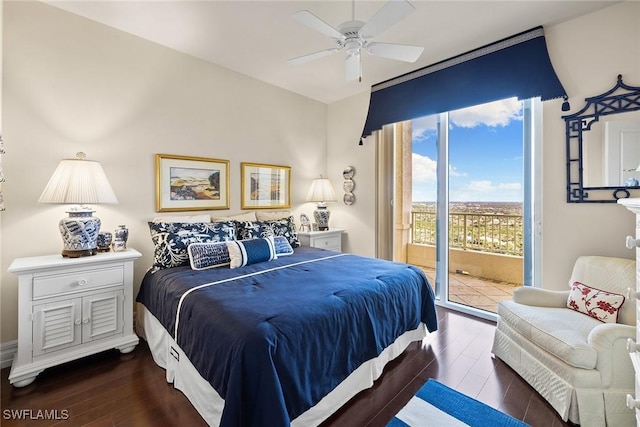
353	36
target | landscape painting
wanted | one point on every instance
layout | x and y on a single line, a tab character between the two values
194	184
186	183
265	186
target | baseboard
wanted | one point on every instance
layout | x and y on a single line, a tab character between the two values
7	351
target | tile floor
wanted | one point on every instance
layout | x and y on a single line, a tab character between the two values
474	291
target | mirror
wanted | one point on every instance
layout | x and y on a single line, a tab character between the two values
603	147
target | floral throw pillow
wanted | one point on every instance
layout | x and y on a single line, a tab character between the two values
285	227
171	240
594	302
246	230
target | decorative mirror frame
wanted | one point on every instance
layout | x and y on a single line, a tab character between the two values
627	99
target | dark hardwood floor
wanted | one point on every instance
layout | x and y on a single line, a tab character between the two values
111	389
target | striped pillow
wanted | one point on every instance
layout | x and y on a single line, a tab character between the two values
253	251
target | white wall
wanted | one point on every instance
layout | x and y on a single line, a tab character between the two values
587	53
71	85
345	122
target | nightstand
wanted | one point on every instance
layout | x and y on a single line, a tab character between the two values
330	239
69	308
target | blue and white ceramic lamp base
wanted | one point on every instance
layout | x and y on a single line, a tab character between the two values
79	234
321	215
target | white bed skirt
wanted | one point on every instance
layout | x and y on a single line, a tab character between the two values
184	376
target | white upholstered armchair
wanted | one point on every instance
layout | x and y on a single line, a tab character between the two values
579	364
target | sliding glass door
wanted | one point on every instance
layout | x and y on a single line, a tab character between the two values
475	202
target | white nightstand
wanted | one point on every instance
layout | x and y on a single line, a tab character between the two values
69	308
330	239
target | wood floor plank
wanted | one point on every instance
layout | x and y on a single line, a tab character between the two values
111	389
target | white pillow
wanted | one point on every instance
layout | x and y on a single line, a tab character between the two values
272	216
244	216
183	218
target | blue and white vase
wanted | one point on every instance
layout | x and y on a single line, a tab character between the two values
120	236
104	241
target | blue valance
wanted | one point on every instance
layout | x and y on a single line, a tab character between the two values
516	66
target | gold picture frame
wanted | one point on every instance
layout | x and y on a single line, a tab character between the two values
265	186
186	183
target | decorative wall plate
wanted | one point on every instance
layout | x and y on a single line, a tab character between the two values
348	172
348	185
349	198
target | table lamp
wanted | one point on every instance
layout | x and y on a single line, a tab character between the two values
79	181
321	192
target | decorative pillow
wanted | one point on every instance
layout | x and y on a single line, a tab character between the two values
282	246
247	252
594	302
208	255
183	218
246	230
272	216
245	216
171	240
285	227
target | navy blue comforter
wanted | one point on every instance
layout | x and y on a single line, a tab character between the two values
272	344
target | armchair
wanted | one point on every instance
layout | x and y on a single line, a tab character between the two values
579	364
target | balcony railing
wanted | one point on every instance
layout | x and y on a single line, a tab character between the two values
494	233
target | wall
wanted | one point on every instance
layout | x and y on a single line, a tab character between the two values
587	53
71	85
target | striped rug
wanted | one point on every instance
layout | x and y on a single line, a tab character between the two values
437	405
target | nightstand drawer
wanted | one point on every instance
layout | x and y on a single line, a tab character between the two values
332	243
77	281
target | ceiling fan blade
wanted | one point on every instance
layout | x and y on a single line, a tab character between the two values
353	69
401	52
312	21
313	56
391	13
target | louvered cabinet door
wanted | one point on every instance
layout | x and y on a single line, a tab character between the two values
102	315
56	326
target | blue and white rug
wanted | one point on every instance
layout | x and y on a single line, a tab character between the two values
437	405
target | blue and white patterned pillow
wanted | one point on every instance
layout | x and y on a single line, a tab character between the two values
282	246
246	230
171	240
208	255
247	252
285	227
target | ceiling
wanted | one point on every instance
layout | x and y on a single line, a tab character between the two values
257	37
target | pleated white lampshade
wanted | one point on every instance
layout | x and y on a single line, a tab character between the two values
79	181
321	191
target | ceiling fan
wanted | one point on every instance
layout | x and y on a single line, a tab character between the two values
355	36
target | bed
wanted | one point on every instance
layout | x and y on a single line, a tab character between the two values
287	341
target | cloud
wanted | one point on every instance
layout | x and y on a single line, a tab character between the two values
498	113
424	128
492	114
423	168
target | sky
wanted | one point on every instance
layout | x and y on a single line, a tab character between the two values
485	154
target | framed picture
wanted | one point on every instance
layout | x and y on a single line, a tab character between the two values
191	183
265	186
